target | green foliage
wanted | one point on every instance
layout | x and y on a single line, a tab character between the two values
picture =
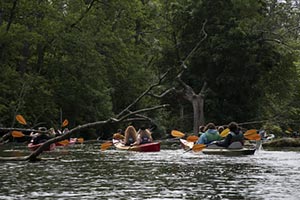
87	60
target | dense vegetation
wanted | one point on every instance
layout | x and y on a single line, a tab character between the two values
86	60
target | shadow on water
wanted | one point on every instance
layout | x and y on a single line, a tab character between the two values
84	172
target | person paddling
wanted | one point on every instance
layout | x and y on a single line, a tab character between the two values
235	135
130	136
144	136
211	134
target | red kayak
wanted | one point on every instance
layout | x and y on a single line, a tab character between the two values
149	147
34	147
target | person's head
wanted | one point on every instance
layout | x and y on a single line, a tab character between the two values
144	132
201	129
220	129
233	127
210	126
130	131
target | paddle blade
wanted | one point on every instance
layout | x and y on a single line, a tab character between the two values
65	123
178	134
17	134
105	146
21	119
250	132
253	137
198	147
80	140
225	132
192	138
64	142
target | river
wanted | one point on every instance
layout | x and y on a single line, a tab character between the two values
85	172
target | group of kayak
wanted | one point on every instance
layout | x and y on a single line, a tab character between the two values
38	138
229	141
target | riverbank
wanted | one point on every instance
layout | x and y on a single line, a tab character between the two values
286	142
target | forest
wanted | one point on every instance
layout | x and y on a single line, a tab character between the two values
181	63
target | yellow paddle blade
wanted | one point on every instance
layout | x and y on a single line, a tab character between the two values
178	134
105	146
64	142
250	132
21	119
17	134
225	132
192	138
80	140
65	123
198	147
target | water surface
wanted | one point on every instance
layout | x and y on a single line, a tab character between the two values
85	172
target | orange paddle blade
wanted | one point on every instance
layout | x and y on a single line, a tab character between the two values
21	119
65	123
176	133
253	137
198	147
192	138
17	134
80	140
64	142
250	132
105	146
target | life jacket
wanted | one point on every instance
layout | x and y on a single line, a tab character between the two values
237	137
145	139
130	141
212	135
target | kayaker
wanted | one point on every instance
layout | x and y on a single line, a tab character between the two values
144	136
130	136
201	130
235	135
38	138
211	134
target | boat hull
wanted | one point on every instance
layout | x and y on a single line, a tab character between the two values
149	147
216	150
34	147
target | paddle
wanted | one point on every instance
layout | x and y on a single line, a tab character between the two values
225	132
65	123
105	146
192	138
63	142
252	135
17	134
177	134
21	119
80	140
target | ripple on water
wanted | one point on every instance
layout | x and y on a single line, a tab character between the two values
87	173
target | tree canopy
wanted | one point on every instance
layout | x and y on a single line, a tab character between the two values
87	60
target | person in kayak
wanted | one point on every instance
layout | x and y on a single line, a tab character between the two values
235	135
211	134
38	137
130	136
144	136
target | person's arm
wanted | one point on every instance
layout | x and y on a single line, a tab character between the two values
225	142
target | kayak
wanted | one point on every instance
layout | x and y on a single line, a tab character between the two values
34	147
234	149
149	147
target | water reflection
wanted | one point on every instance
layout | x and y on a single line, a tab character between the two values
83	172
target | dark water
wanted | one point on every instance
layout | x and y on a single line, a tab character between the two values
84	172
